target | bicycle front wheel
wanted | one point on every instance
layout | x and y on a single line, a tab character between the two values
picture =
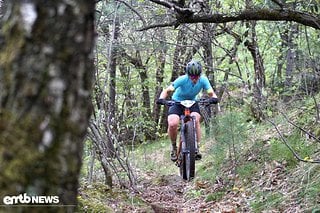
188	157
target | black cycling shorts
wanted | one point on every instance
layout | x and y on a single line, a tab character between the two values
177	109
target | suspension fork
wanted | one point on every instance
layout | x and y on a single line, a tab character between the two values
184	119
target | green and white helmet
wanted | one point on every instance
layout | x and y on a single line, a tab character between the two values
193	68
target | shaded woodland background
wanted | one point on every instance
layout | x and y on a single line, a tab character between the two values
84	76
265	61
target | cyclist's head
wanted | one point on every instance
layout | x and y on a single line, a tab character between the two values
193	68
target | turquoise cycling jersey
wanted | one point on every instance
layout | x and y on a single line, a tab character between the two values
185	89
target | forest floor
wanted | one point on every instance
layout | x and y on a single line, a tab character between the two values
170	193
159	188
165	193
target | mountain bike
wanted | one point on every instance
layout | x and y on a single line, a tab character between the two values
188	146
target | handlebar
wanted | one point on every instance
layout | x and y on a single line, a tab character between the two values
202	101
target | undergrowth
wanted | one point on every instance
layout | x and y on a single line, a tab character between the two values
250	160
256	158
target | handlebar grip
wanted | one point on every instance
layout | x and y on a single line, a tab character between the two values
170	103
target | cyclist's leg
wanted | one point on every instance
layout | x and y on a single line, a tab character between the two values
195	111
173	123
198	129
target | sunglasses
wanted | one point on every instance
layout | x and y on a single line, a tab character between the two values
194	77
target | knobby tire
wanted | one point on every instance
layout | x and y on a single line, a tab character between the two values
187	167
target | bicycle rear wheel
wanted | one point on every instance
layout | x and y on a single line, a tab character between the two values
187	167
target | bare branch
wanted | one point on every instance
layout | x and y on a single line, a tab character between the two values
136	12
300	128
289	147
152	26
306	19
260	14
279	3
174	6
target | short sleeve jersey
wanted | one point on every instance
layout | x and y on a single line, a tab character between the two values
185	89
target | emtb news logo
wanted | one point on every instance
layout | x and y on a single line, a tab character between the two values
30	199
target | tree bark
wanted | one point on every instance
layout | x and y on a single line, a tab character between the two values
188	15
46	72
291	55
179	54
258	101
161	61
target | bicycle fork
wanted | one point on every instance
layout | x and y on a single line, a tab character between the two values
182	142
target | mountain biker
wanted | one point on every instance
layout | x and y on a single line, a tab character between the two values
186	87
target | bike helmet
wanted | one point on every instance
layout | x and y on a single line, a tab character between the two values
193	68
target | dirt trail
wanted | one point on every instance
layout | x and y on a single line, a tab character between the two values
172	194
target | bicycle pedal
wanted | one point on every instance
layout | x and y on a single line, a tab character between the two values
177	164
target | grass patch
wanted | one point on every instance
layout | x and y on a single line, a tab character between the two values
155	157
98	198
216	196
246	170
267	200
279	150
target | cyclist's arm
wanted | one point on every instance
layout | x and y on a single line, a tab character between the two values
164	94
208	88
211	93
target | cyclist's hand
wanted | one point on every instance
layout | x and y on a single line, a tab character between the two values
213	100
161	101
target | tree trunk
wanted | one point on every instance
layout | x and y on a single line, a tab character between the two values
208	65
46	77
258	101
291	56
277	77
111	122
161	61
91	164
179	52
110	110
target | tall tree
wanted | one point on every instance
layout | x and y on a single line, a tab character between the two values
258	102
46	77
161	61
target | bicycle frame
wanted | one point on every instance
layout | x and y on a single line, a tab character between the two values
188	142
188	138
183	120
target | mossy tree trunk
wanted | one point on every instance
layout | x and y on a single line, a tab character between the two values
46	72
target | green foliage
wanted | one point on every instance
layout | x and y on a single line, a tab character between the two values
246	170
230	132
93	198
193	193
310	177
216	196
267	200
152	156
280	152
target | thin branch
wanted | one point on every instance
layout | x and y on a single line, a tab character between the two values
174	6
136	12
300	128
289	147
317	109
152	26
279	3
